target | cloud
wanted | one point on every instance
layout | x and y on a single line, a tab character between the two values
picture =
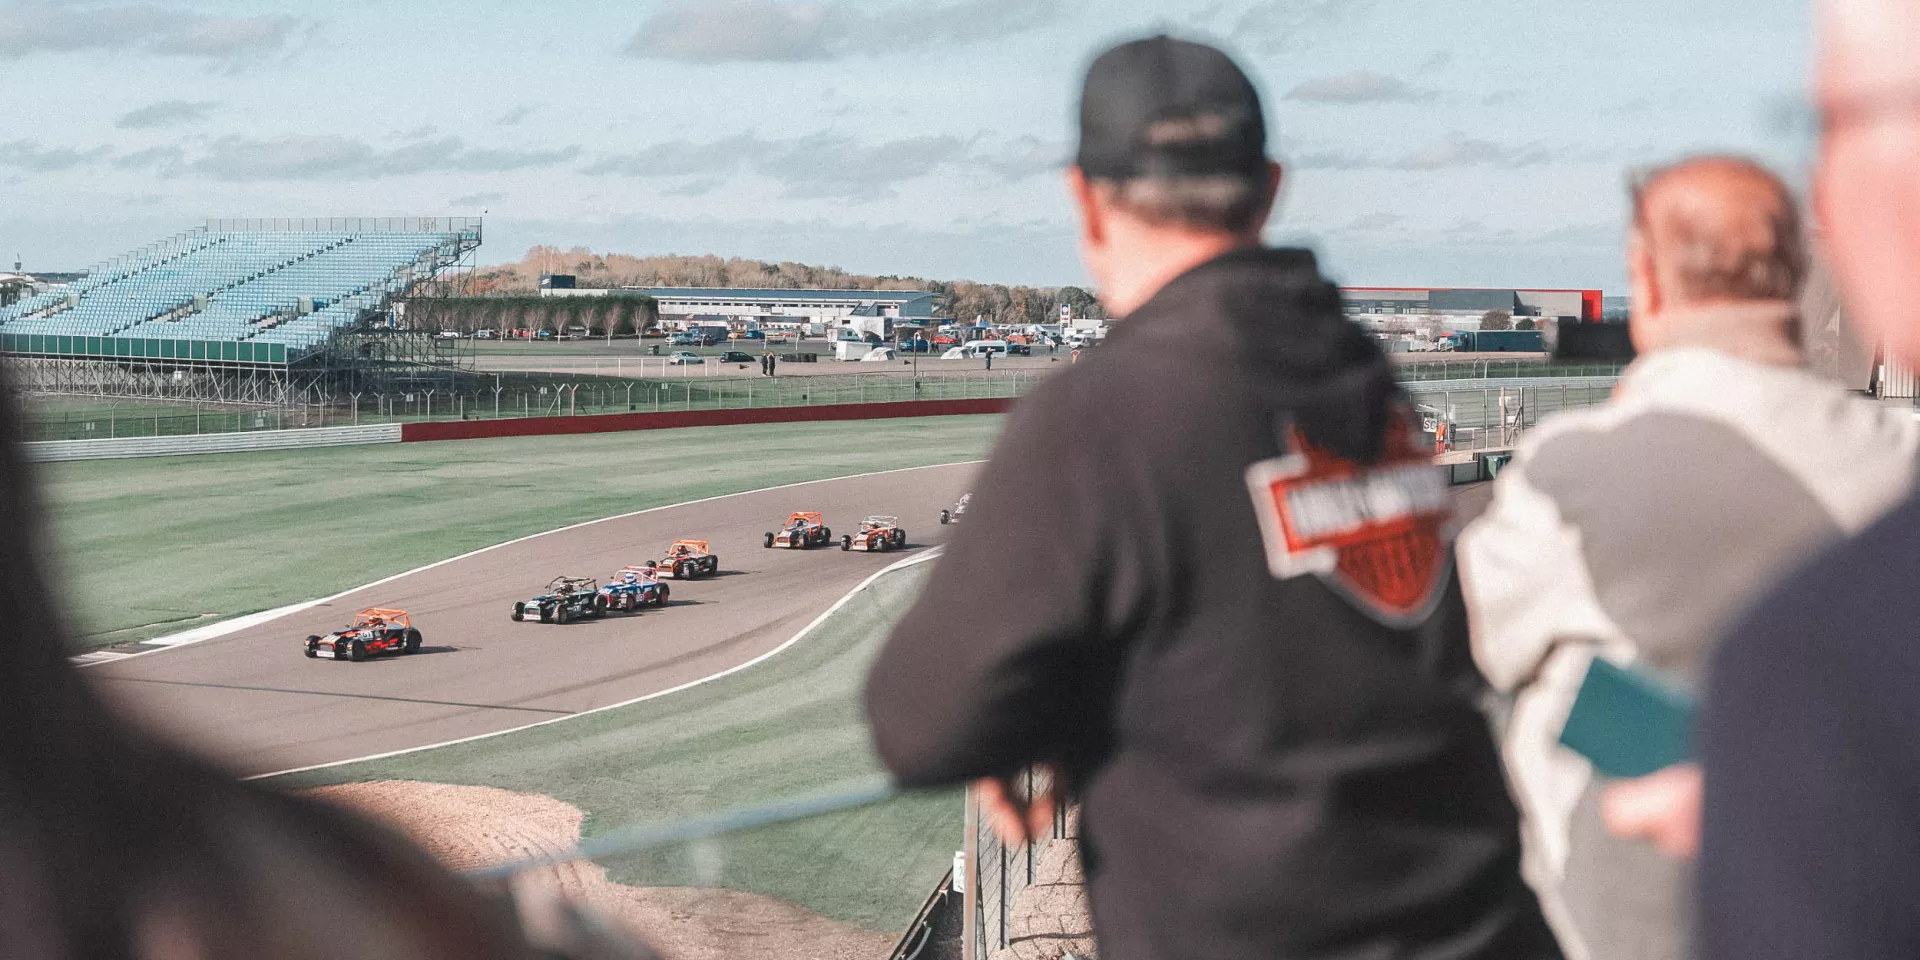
1437	60
1359	87
37	26
223	36
513	117
31	157
698	187
1281	26
166	113
477	200
1499	97
832	165
240	159
779	31
1451	151
164	160
1374	221
1456	150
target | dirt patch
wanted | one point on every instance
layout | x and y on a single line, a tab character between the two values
469	827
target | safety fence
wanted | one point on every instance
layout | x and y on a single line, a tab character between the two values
1459	414
533	397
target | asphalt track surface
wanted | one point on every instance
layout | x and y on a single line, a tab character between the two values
257	702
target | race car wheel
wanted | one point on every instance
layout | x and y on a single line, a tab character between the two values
600	605
653	564
900	538
660	599
946	517
560	614
713	565
412	644
846	543
680	571
313	652
519	610
357	651
769	540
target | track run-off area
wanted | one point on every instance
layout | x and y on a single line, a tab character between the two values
256	702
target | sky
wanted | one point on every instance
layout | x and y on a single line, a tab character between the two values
1465	143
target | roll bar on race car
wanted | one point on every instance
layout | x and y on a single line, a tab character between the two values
812	518
385	617
587	584
644	573
699	546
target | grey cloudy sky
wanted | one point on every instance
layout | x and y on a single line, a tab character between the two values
1478	142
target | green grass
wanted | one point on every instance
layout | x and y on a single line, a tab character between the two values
186	540
788	726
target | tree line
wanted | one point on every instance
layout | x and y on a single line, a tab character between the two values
626	314
966	299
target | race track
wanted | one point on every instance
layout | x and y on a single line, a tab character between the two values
256	702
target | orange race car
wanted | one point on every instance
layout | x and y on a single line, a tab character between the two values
877	534
375	631
686	560
802	530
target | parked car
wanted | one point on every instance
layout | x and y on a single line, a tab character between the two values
879	355
653	333
374	631
737	356
682	358
683	340
484	335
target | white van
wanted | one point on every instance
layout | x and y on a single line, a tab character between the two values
980	348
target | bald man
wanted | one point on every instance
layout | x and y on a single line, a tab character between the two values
1638	531
1811	733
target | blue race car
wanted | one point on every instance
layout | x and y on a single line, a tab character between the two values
633	588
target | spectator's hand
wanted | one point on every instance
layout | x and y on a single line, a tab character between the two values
1015	820
1661	808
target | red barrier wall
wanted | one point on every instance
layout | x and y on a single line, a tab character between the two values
616	422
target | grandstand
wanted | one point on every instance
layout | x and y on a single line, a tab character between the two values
235	310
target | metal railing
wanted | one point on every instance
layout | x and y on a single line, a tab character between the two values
1482	413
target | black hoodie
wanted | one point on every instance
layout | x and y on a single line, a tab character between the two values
1272	764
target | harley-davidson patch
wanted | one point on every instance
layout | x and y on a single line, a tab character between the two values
1378	534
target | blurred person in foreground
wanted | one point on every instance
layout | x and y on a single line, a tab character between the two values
1637	531
1811	736
114	844
1238	636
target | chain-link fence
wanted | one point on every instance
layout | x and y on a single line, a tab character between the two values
1494	416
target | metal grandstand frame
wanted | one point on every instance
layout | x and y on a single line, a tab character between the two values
390	350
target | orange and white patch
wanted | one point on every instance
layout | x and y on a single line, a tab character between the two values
1378	534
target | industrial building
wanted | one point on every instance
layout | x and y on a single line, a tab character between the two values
1450	305
757	303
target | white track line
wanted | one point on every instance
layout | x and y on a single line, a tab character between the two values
225	627
931	554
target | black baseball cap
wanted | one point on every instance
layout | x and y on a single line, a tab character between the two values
1167	108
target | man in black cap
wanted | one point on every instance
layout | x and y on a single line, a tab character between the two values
1238	636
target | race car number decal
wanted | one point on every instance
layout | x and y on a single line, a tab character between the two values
1378	534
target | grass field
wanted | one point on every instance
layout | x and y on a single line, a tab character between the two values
187	540
788	726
